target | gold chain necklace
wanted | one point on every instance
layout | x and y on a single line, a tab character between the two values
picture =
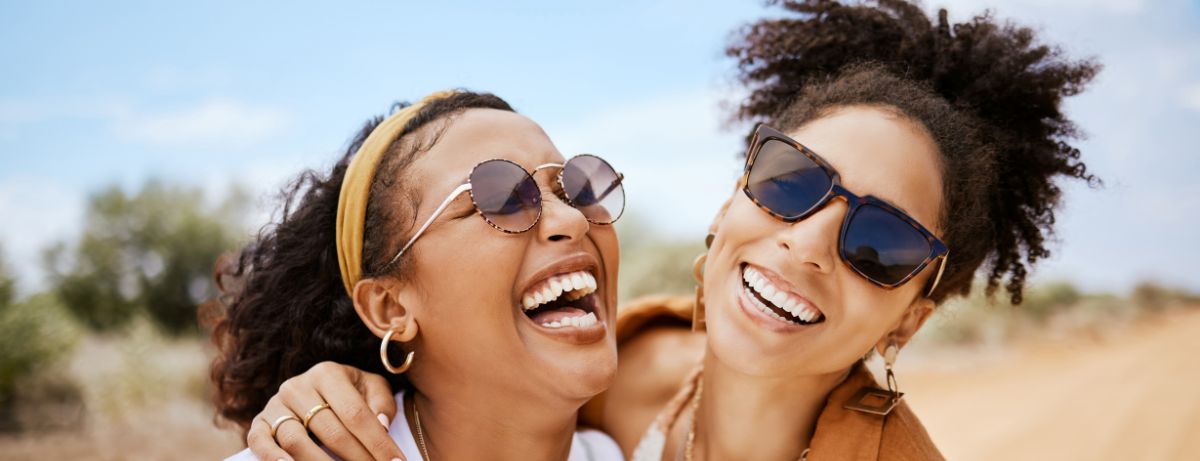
689	446
420	433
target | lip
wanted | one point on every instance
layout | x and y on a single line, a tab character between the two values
574	335
762	319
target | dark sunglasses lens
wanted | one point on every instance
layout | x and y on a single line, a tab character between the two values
594	188
786	181
883	246
506	195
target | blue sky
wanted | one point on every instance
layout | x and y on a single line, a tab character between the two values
214	93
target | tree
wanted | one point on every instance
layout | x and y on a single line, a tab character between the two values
151	253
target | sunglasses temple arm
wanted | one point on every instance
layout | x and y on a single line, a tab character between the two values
611	187
441	208
941	269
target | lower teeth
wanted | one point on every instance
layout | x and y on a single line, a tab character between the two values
578	322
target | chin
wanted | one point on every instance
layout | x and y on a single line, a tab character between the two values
743	345
584	372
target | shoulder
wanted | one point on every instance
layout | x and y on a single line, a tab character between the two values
656	351
905	438
850	434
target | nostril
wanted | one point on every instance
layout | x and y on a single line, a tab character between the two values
559	237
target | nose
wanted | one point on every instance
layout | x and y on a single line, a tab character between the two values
812	241
560	221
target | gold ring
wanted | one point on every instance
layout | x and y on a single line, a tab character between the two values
313	412
279	421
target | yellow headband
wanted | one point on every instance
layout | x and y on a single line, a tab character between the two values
352	202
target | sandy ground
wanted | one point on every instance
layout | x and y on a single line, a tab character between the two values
1129	394
1123	394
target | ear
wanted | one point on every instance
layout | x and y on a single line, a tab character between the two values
377	301
908	325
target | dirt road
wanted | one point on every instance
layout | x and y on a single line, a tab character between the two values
1131	395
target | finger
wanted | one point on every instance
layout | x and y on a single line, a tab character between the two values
292	437
259	439
353	411
380	398
301	397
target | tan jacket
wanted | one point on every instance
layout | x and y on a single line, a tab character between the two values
841	434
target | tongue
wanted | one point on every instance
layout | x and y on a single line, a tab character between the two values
554	315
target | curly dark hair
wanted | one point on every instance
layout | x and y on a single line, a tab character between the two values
285	308
986	91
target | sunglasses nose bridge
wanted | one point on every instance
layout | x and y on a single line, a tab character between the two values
559	220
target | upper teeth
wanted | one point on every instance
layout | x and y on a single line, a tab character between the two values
575	284
778	296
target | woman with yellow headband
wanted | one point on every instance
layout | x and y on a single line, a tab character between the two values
494	331
897	156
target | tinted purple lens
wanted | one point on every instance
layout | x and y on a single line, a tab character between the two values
883	246
786	181
506	195
594	188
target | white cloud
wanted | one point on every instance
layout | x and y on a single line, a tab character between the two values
18	112
216	121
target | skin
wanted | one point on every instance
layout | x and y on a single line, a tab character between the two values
459	312
766	381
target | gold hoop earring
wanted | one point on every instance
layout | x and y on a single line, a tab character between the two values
383	356
876	401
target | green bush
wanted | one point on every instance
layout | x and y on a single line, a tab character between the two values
35	334
1151	296
1044	300
151	253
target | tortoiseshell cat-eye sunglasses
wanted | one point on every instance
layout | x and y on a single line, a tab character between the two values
878	241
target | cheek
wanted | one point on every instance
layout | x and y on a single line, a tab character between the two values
745	224
604	239
869	314
465	291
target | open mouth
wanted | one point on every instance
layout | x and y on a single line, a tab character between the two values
776	301
562	301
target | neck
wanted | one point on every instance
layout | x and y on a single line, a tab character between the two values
754	417
472	424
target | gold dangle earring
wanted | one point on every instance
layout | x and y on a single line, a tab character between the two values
698	315
874	400
383	355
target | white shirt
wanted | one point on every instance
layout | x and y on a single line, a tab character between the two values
587	445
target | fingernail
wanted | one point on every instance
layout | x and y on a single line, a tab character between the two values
383	420
395	459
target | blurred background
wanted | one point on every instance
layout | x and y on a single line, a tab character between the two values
139	140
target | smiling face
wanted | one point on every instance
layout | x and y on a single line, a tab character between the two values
525	314
756	258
